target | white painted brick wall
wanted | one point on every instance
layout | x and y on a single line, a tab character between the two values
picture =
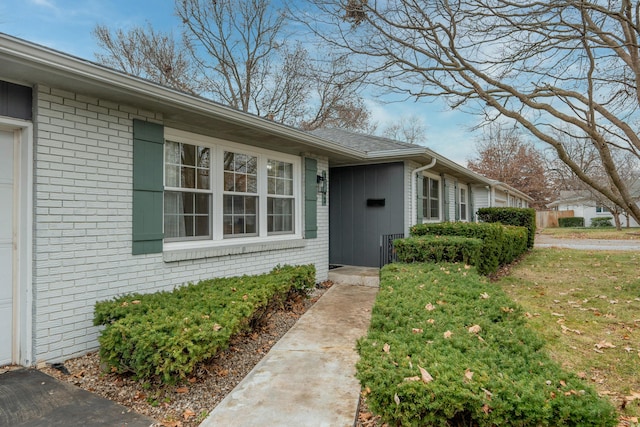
82	238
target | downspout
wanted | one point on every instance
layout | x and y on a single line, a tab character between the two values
414	190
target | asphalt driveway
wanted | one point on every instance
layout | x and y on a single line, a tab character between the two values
30	398
544	241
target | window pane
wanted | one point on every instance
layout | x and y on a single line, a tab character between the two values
240	183
202	203
188	155
229	181
172	176
433	188
188	177
279	215
252	165
186	214
203	179
172	152
252	184
271	185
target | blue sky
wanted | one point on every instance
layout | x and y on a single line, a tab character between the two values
66	25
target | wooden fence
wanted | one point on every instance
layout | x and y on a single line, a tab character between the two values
549	219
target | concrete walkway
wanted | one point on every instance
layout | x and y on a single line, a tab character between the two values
307	378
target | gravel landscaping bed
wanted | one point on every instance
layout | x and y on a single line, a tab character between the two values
188	404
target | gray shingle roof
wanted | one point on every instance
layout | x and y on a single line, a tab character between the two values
359	141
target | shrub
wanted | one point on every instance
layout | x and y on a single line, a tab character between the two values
438	249
165	334
522	217
446	348
602	222
574	221
514	244
497	247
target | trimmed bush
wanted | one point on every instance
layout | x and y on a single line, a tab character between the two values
438	249
446	348
498	246
515	243
602	222
573	221
522	217
165	334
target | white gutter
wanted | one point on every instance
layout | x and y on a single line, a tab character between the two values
414	191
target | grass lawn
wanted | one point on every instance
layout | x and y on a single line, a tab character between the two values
593	233
586	304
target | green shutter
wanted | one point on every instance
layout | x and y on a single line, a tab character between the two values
472	214
419	198
445	198
456	200
310	198
148	143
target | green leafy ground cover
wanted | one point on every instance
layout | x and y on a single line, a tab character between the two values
166	334
448	348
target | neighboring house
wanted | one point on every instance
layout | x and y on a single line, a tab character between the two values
110	184
396	186
584	205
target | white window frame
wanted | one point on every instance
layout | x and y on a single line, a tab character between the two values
218	147
463	201
430	178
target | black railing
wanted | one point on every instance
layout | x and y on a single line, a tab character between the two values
387	251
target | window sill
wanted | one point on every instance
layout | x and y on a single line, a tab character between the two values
191	252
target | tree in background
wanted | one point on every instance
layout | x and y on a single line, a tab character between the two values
409	129
583	153
236	53
504	155
543	65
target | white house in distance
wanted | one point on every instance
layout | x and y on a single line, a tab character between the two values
110	184
583	204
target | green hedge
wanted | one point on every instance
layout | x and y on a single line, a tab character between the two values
515	243
438	249
165	334
498	244
602	222
482	365
521	217
574	221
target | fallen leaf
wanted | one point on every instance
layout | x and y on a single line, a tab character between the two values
486	409
475	329
217	327
135	301
188	413
429	307
604	344
431	321
565	330
409	379
182	390
416	330
468	375
245	297
386	347
396	399
426	376
448	334
484	295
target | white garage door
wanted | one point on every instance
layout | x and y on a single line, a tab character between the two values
6	246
